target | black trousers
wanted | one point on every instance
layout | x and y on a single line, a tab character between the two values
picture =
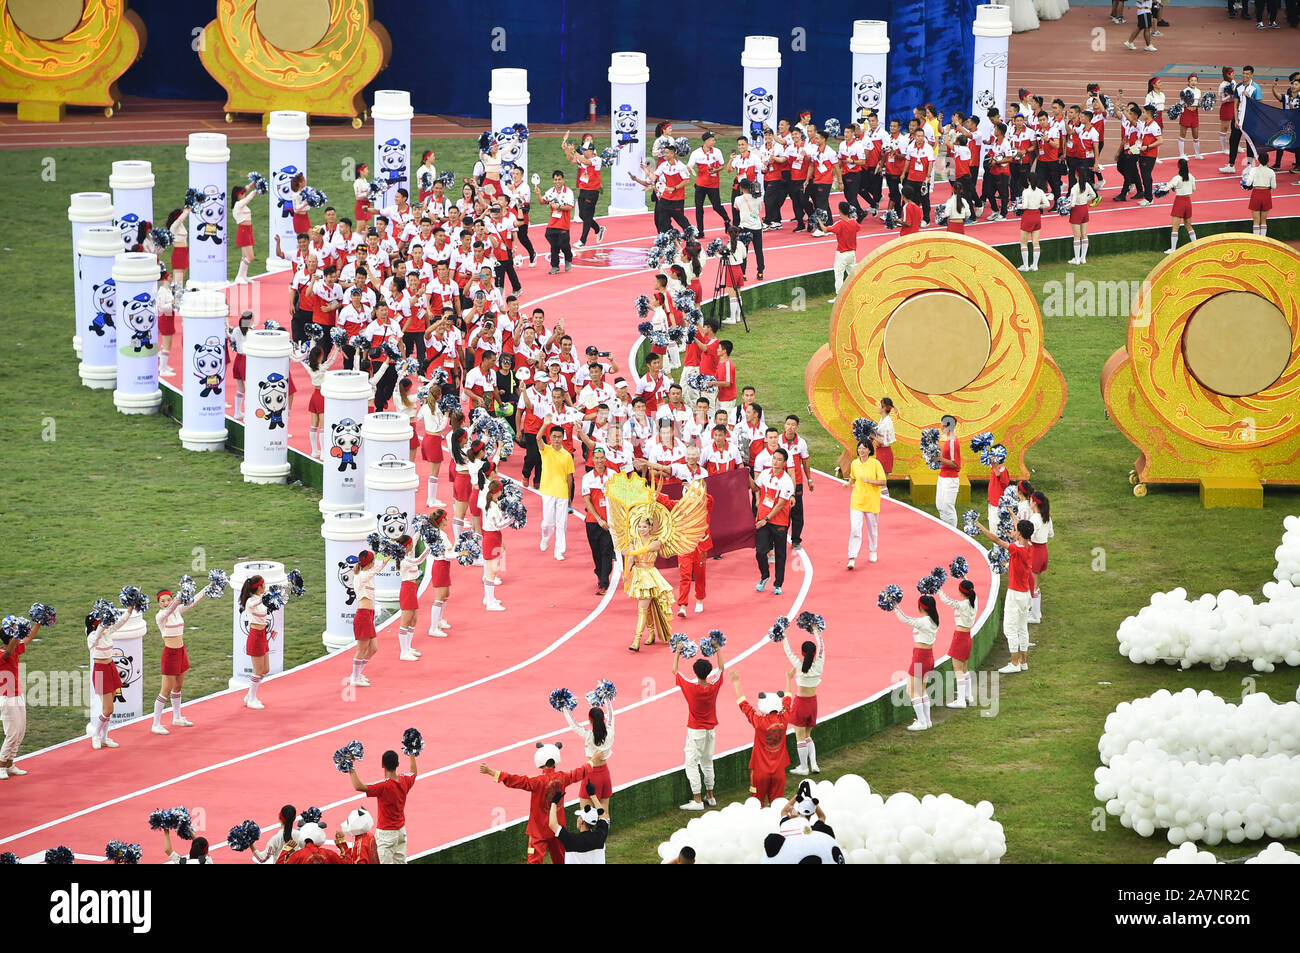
917	192
298	322
796	516
506	269
895	195
674	211
414	341
326	342
1234	143
558	239
1019	177
602	552
1146	168
999	193
967	186
384	387
819	200
795	193
852	189
524	240
587	199
715	199
1271	6
1127	167
1051	172
769	538
773	199
872	187
756	247
532	458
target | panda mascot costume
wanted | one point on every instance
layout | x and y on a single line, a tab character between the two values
803	836
542	788
311	847
363	849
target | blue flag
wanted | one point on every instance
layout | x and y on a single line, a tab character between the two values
1270	127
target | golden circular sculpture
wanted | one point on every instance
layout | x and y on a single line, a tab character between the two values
63	56
937	342
46	19
1237	344
293	25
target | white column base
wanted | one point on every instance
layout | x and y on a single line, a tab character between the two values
76	344
326	507
137	403
277	264
387	598
613	210
98	378
335	642
261	473
203	440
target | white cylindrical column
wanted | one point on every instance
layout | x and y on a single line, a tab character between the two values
390	496
136	277
992	31
761	60
208	157
204	315
273	574
84	210
266	388
387	436
97	251
345	535
128	656
628	75
287	134
347	394
392	114
509	98
870	49
132	185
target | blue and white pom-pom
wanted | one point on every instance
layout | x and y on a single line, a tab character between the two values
296	584
832	128
981	441
715	248
120	852
677	640
684	300
438	377
392	352
58	855
643	306
682	145
15	627
1161	189
710	644
515	512
42	615
562	700
426	181
160	237
690	649
314	198
1188	97
338	335
609	156
1209	101
1063	205
676	334
407	366
270	324
808	621
928	585
704	383
930	447
1245	179
412	742
998	559
992	455
448	402
132	598
257	182
468	549
1176	110
184	824
374	541
313	815
104	611
603	693
777	632
376	193
959	568
349	753
447	178
193	198
889	218
864	429
218	582
890	597
485	140
187	593
9	857
941	215
243	836
273	598
645	329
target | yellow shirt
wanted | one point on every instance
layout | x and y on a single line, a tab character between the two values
557	467
866	498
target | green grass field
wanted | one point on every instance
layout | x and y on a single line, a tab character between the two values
96	501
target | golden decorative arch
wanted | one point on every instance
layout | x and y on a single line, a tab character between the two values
1208	385
312	55
955	306
57	53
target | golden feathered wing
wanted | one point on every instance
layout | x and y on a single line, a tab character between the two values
623	493
686	524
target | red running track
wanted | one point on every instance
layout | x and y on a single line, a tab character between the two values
481	694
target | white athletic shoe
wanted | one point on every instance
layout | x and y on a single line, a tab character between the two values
359	681
1033	267
580	245
957	703
495	606
850	565
600	235
4	774
699	607
1149	48
96	743
559	557
408	657
254	704
802	772
1025	667
681	611
444	624
110	743
871	557
1143	204
1228	169
1009	669
439	634
182	723
1073	261
1129	46
1022	268
692	806
159	730
14	771
917	726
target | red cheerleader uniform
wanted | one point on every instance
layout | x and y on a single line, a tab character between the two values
957	225
361	210
106	678
1079	214
1031	220
959	647
922	662
432	447
803	713
301	223
1190	118
363	625
600	779
175	661
166	322
317	403
237	367
491	543
256	644
1261	200
180	257
441	578
1037	557
460	488
1182	207
699	291
736	276
244	235
408	596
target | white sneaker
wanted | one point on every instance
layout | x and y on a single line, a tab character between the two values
1033	267
559	557
917	726
542	547
1143	204
1129	46
359	681
1009	668
254	704
802	772
4	774
1022	268
1073	261
871	557
956	703
1149	48
495	607
110	743
14	771
444	624
681	611
182	723
439	634
1025	667
600	235
699	607
159	730
1228	169
408	657
850	565
96	743
692	806
1032	645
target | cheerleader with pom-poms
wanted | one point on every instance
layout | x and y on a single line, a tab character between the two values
1189	120
494	522
924	629
1082	194
440	555
808	667
434	421
197	854
104	674
281	844
317	367
257	645
1182	185
599	742
243	219
363	623
175	660
963	612
175	225
237	337
13	706
297	190
426	175
408	598
1040	515
1261	180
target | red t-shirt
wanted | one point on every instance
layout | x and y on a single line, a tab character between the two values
998	483
9	685
708	356
769	754
951	450
391	795
1018	572
911	219
846	235
701	701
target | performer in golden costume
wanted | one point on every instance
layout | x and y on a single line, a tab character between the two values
645	528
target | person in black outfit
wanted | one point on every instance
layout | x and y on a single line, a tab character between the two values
593	830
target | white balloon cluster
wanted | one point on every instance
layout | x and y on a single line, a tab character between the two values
1187	853
869	828
1216	630
1202	768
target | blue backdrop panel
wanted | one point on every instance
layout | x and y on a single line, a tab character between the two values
444	54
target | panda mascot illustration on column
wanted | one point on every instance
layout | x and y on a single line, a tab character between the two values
273	395
345	441
140	320
542	788
211	216
130	226
210	365
347	572
866	95
280	179
626	126
803	836
758	110
392	161
104	301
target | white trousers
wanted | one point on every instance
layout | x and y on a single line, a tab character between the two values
844	262
391	845
855	532
13	716
945	499
699	758
993	518
555	515
1015	620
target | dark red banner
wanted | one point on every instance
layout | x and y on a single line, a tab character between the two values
731	523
